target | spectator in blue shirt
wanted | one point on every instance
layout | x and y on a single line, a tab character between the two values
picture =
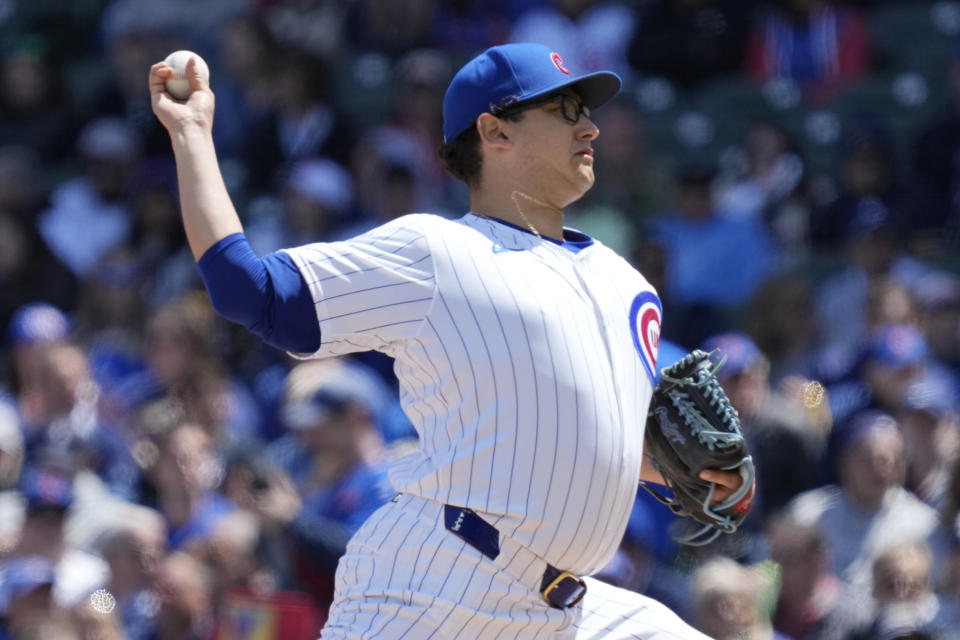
711	261
334	453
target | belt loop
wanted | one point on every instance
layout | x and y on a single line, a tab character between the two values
472	529
559	589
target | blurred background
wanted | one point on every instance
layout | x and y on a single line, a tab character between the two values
785	172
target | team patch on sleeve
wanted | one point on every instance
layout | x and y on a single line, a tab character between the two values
645	314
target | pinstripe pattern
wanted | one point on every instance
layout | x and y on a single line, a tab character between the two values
517	368
429	584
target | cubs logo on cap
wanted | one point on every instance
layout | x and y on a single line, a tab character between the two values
512	73
557	60
645	314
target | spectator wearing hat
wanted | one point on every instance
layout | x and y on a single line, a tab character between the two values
869	509
893	357
713	264
335	453
898	355
37	322
93	206
26	588
32	325
315	202
48	495
335	457
64	423
780	431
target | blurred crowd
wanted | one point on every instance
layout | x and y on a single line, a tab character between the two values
785	172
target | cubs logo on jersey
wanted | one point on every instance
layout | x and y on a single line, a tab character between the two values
645	314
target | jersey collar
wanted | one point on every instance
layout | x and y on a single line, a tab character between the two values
573	240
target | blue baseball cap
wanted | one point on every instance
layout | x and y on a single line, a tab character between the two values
37	322
331	390
897	345
860	426
21	575
44	488
512	73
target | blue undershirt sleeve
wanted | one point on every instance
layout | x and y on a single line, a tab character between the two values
268	296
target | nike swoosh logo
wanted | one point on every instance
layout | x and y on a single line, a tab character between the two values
499	248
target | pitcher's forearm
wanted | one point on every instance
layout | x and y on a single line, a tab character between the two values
208	213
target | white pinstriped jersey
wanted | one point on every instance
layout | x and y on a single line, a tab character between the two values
523	366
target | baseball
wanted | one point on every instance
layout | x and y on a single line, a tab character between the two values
177	85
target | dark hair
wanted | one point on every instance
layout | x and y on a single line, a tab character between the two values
461	156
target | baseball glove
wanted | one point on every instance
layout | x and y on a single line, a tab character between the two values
691	426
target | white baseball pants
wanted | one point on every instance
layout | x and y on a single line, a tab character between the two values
404	576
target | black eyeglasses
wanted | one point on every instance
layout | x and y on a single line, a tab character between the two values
570	108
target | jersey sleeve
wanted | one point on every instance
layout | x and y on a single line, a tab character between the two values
372	290
267	296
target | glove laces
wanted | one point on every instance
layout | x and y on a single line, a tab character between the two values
703	376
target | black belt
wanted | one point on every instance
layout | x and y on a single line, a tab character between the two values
561	589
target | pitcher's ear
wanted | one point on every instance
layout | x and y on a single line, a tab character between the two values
492	131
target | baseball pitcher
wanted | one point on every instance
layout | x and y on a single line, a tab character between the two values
527	359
